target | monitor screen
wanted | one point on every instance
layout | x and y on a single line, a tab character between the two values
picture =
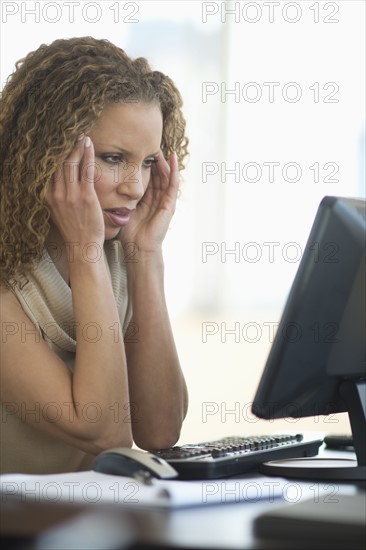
321	339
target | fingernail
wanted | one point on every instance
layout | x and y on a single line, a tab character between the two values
87	141
80	137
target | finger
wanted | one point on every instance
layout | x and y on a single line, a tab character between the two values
173	163
71	165
161	172
87	166
55	185
174	175
56	189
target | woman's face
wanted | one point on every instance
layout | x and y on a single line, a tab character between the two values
126	139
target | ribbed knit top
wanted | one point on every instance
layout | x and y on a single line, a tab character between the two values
47	301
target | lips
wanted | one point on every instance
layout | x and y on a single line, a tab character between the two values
119	211
118	216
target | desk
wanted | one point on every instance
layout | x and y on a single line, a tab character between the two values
228	526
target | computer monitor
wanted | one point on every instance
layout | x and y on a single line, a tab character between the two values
317	362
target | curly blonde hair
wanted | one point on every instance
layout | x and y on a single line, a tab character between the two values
56	93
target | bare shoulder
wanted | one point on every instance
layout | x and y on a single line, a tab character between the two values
12	315
15	326
9	304
21	342
24	354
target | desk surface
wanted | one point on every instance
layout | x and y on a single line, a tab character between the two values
228	526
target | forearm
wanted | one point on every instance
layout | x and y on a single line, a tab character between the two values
157	387
100	371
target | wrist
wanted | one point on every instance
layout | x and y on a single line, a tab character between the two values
87	261
144	257
88	252
134	254
146	271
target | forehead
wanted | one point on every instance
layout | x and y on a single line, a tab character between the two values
128	125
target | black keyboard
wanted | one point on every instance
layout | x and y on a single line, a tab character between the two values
235	455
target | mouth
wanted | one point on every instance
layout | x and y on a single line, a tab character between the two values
118	216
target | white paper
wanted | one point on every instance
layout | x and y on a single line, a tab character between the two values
94	487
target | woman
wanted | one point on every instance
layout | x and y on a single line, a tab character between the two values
91	145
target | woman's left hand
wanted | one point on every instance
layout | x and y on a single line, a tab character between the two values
150	221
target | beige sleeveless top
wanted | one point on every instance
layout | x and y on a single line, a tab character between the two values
47	300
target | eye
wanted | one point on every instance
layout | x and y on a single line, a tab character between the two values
112	158
147	163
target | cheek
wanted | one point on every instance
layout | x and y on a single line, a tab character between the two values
104	179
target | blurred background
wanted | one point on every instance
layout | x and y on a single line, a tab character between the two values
274	101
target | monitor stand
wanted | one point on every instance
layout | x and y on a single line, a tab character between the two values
340	469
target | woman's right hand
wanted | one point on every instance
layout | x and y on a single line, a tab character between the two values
72	200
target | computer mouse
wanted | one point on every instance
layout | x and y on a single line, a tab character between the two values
123	461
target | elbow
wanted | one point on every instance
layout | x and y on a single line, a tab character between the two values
106	445
115	442
155	442
160	432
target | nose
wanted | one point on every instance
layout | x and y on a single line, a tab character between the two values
131	181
